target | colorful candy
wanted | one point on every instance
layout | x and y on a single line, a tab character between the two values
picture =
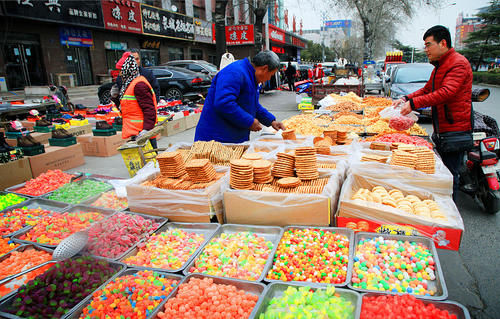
241	255
395	266
201	298
400	307
18	261
167	250
111	201
52	229
6	245
60	288
16	219
303	302
403	138
45	182
75	193
312	255
17	282
10	199
130	296
117	234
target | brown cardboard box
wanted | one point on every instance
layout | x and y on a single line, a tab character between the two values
15	172
103	146
43	138
175	126
56	157
192	120
80	130
28	124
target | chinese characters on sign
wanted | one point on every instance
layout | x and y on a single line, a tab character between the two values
203	31
239	34
122	15
278	50
160	22
276	34
75	36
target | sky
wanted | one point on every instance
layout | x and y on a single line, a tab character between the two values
409	33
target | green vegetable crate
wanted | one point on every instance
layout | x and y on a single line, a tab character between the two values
62	141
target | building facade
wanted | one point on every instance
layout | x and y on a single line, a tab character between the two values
465	25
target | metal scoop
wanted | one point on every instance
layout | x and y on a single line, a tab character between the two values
67	248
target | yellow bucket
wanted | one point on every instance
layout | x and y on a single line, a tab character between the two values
136	156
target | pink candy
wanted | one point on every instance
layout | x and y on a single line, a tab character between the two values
401	123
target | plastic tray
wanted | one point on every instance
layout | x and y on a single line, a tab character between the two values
160	220
255	288
33	150
207	229
76	208
439	284
44	129
452	307
78	309
275	290
117	127
270	233
340	230
6	301
109	132
62	141
15	135
23	248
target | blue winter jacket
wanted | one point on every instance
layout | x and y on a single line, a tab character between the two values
231	106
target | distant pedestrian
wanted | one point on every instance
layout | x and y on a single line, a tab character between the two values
290	76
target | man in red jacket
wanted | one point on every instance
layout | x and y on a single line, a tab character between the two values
448	91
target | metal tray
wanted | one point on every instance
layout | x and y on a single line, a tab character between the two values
5	193
96	197
340	230
275	290
15	188
438	284
270	233
160	220
35	203
207	229
255	288
452	307
78	309
7	300
21	249
87	198
76	208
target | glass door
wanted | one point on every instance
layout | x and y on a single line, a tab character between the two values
23	65
78	62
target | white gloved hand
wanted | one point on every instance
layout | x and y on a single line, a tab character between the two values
114	91
141	133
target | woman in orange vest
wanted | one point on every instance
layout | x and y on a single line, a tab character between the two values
137	100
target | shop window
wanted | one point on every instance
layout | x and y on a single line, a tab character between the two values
195	67
196	54
175	54
150	57
112	56
212	59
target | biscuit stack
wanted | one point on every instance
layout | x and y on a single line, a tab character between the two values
200	171
379	146
306	164
331	134
262	172
171	164
284	165
241	176
374	158
341	137
289	135
402	158
426	162
252	156
288	182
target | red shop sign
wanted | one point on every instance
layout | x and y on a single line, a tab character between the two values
278	50
122	15
276	34
298	43
239	34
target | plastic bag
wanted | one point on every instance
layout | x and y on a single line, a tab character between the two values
397	121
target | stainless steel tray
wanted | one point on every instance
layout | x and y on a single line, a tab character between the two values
452	307
23	248
270	233
35	203
5	193
207	229
275	290
96	197
78	309
255	288
8	299
15	188
76	208
85	198
438	284
339	230
160	220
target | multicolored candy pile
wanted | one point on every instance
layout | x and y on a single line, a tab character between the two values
10	199
17	282
16	219
202	298
75	193
6	245
167	250
394	265
18	261
130	296
312	255
45	182
241	255
111	201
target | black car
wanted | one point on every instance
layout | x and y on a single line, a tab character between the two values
175	83
195	65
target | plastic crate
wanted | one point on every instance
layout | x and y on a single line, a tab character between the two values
15	135
51	116
109	132
62	141
33	150
44	129
117	127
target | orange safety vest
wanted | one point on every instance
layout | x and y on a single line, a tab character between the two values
133	118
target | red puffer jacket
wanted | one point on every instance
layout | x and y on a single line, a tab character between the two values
449	90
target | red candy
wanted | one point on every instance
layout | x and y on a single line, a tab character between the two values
403	138
45	183
401	123
400	307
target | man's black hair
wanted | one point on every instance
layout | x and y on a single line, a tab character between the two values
439	33
133	50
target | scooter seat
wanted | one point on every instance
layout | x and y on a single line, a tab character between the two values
474	156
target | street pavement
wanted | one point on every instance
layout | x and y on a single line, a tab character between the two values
471	275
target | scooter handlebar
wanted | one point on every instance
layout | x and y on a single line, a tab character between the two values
480	95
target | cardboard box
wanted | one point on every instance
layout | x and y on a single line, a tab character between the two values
56	157
192	120
102	146
28	124
80	130
175	126
15	172
43	138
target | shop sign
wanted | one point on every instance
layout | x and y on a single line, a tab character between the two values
298	43
332	24
278	50
122	15
74	36
239	34
85	13
202	31
164	23
150	44
276	34
112	45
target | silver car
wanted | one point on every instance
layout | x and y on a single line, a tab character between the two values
199	66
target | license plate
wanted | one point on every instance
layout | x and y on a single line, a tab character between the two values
491	168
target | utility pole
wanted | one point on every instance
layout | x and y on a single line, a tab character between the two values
220	28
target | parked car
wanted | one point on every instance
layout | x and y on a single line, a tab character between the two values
386	78
304	71
195	66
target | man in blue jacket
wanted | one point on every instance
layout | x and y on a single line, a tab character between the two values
232	107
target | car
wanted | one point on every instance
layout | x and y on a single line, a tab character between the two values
386	78
304	71
195	66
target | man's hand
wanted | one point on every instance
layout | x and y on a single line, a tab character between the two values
398	103
406	109
256	126
278	126
141	133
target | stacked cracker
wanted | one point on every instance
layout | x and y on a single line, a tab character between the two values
305	187
262	172
241	176
217	153
289	135
402	158
322	144
306	165
200	171
252	156
182	183
417	157
284	165
374	158
171	164
380	146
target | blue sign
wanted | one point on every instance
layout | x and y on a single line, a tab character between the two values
74	36
338	24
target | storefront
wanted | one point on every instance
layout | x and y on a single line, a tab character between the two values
150	52
293	45
114	51
277	42
76	42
